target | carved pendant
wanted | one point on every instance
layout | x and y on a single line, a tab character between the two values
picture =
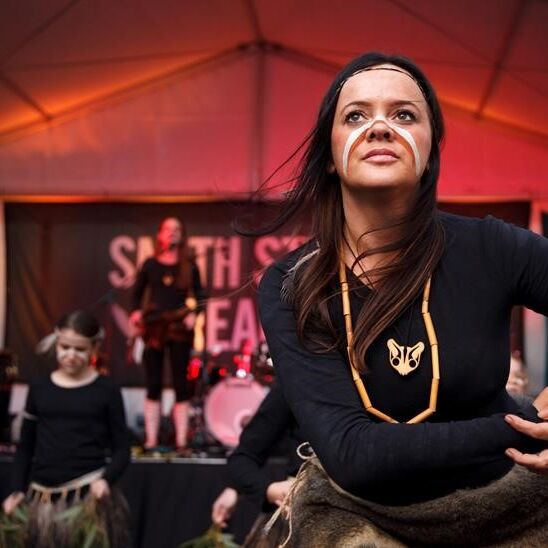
404	359
167	279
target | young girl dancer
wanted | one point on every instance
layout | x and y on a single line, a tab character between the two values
73	419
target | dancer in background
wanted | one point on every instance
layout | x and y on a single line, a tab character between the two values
272	423
72	419
167	300
389	332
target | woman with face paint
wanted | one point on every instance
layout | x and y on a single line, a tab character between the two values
72	419
390	333
167	300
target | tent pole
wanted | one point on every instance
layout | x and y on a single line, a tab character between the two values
257	136
502	56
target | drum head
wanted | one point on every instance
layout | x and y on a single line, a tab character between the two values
229	407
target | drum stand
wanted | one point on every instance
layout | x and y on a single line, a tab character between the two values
202	442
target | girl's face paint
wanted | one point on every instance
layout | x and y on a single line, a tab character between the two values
74	352
381	132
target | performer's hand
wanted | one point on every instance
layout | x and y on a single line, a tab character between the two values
136	318
539	462
223	507
277	491
12	502
99	489
191	303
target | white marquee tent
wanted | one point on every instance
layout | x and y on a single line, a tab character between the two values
188	98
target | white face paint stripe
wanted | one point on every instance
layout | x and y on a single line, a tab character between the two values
409	138
352	138
355	135
64	353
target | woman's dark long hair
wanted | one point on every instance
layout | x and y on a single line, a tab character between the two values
318	191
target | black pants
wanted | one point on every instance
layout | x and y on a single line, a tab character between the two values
179	354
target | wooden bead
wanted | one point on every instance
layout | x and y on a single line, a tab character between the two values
434	394
430	331
435	362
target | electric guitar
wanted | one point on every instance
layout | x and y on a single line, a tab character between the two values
158	328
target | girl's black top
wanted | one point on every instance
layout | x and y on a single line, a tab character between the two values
487	267
164	294
69	432
272	424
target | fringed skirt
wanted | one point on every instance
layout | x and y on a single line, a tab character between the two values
509	512
266	532
68	516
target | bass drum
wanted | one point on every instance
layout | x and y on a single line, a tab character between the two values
230	405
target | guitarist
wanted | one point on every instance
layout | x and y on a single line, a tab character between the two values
167	300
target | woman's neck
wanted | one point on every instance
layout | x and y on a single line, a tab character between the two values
168	256
365	213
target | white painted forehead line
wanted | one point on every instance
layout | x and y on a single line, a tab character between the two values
388	68
357	133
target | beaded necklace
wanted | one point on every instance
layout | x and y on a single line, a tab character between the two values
432	339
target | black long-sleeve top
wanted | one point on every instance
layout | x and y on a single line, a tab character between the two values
271	423
486	268
164	295
69	432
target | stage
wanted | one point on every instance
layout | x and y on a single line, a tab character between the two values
170	501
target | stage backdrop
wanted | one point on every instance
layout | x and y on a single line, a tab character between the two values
67	256
85	255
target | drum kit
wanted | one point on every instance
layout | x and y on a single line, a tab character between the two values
227	396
